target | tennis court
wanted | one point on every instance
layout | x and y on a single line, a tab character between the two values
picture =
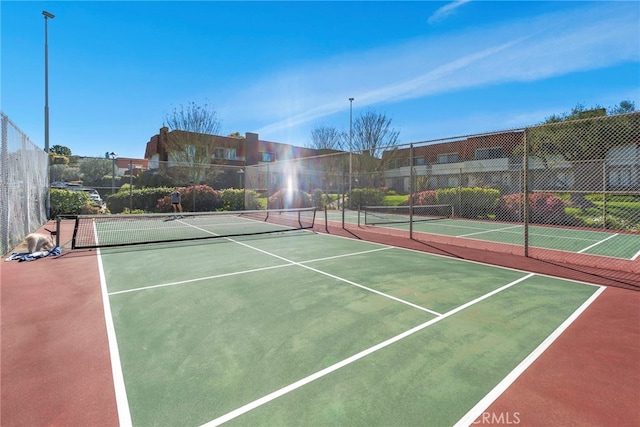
593	242
301	328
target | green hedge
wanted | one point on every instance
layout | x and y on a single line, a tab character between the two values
234	199
361	197
68	202
467	202
145	199
289	199
197	198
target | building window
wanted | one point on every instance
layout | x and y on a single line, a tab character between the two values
394	163
419	161
224	153
267	157
448	158
218	153
489	153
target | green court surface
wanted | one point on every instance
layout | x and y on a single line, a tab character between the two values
311	329
602	243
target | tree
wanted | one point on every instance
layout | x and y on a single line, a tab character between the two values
372	133
60	150
236	135
582	140
94	169
584	134
623	108
326	137
191	143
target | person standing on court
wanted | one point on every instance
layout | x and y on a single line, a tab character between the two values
175	201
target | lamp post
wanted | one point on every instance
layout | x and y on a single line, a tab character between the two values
350	146
46	105
244	195
46	81
113	171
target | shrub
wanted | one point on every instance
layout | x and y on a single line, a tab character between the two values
366	197
422	198
67	202
145	199
197	198
544	208
289	199
320	200
237	199
135	211
470	202
510	208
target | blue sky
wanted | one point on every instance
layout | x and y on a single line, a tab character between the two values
281	69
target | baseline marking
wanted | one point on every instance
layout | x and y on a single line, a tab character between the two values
291	387
597	243
473	414
490	231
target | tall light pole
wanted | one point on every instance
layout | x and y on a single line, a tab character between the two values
46	81
46	106
113	171
244	191
350	145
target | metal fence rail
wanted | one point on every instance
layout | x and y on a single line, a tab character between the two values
24	185
575	175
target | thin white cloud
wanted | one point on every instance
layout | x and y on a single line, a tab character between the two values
588	38
446	10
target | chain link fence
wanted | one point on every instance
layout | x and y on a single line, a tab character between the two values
23	185
521	189
529	189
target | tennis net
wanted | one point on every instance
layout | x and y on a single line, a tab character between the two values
99	231
376	215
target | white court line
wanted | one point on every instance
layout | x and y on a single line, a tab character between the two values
473	414
400	300
254	270
122	402
198	279
507	232
633	258
597	243
347	255
489	231
291	387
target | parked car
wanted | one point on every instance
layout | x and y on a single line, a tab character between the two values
95	196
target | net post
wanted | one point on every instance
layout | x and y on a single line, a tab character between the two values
76	222
343	206
58	232
326	220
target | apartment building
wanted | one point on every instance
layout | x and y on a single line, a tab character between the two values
220	150
496	160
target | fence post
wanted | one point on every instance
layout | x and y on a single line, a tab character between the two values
4	187
411	191
525	193
604	194
130	185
